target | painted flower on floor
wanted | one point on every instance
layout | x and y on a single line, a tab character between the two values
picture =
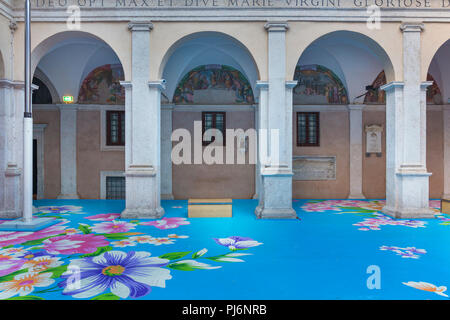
24	283
176	236
104	217
444	219
425	286
42	263
408	252
160	241
343	206
125	274
123	243
8	238
59	209
190	265
12	252
9	264
113	227
236	242
75	243
141	239
382	220
166	223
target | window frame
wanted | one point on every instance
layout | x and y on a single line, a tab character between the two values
121	138
317	131
215	113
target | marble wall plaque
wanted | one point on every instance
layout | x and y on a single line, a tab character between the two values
314	168
373	138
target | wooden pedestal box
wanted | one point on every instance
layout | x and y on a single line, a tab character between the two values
445	206
205	208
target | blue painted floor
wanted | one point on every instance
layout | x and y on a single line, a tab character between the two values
339	249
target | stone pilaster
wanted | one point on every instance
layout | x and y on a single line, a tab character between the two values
11	122
166	150
446	119
275	115
143	122
68	153
407	179
356	152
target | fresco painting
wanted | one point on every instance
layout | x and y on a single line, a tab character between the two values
102	86
318	85
214	84
378	96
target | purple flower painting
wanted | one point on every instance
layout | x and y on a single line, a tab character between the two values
125	274
236	242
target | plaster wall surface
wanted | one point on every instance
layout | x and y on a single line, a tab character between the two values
90	159
213	181
52	159
334	141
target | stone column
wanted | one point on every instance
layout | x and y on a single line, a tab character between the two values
11	121
446	119
143	120
275	113
407	179
68	151
166	150
356	152
257	175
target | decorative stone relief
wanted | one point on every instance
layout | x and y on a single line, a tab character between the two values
314	168
373	139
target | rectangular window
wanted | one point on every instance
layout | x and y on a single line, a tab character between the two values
213	120
308	129
115	188
115	128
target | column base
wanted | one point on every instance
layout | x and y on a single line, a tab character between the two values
142	213
10	214
35	224
272	213
356	196
68	196
409	213
167	196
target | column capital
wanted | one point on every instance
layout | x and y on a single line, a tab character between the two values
126	84
158	84
291	84
425	84
277	26
392	85
357	107
167	106
262	85
140	26
412	27
67	107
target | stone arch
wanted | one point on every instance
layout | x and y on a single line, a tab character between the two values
47	37
38	73
196	45
344	51
70	52
438	68
352	35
